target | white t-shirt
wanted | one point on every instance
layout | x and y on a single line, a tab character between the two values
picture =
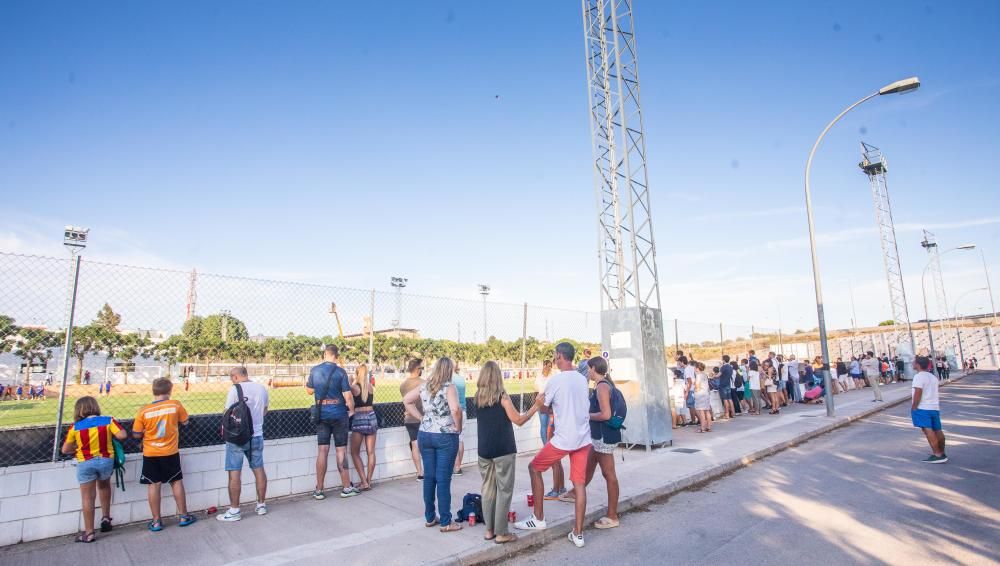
540	381
793	370
568	395
689	374
256	395
754	379
929	397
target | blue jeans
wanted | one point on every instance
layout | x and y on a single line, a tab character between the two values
796	392
438	452
544	419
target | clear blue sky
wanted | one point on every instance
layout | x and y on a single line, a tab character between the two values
346	142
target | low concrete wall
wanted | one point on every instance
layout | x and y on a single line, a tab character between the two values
39	501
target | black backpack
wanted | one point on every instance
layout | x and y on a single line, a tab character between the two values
472	504
237	423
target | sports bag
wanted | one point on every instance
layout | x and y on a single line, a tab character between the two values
119	465
472	504
237	422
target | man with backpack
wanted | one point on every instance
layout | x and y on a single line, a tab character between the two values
243	431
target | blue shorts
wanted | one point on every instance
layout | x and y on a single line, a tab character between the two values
690	400
726	393
923	418
253	451
94	469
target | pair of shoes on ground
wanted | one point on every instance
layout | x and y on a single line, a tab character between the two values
349	491
156	525
233	515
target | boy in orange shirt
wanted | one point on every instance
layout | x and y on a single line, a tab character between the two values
157	426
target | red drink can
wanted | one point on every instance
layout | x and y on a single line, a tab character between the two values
531	500
511	516
472	520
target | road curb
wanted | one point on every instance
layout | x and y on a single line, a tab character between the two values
558	529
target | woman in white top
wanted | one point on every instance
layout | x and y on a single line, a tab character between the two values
753	376
702	401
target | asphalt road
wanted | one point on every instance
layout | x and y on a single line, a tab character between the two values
858	495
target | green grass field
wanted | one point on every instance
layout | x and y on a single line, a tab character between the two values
124	405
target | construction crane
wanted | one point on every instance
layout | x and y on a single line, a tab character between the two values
333	311
874	165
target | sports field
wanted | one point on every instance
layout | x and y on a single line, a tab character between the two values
126	400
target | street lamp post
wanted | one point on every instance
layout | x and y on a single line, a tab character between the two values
75	240
484	290
923	291
958	328
989	288
897	87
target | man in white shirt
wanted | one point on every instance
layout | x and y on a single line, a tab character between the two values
925	409
567	397
255	395
793	378
689	377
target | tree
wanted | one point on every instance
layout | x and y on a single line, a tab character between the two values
108	319
887	323
35	345
86	339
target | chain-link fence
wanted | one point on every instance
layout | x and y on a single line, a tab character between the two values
135	324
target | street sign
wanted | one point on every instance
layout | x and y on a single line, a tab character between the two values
605	354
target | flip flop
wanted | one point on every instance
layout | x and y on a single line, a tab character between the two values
505	539
451	528
433	523
605	523
489	538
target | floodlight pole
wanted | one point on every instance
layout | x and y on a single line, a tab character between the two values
75	243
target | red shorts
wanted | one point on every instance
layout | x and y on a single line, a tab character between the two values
549	455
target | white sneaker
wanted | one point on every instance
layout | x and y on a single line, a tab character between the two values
260	509
230	516
531	524
576	539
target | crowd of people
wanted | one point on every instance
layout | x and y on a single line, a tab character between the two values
750	385
575	403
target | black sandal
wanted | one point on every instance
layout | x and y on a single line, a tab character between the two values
86	537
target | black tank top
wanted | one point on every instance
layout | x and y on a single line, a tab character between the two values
359	402
496	433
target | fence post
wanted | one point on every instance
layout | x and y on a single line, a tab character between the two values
524	351
65	364
371	333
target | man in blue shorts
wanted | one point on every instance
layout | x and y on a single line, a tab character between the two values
925	410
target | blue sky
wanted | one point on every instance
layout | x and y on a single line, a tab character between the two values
448	142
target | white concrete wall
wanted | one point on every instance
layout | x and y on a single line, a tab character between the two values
43	500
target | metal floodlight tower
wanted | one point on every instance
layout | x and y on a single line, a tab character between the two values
484	290
934	266
874	165
75	240
398	283
631	321
192	296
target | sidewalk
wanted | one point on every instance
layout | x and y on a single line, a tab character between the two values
385	526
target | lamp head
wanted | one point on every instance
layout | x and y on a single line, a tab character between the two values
75	237
899	87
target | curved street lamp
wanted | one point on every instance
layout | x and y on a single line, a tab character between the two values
897	87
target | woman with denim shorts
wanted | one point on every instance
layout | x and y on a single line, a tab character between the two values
90	439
